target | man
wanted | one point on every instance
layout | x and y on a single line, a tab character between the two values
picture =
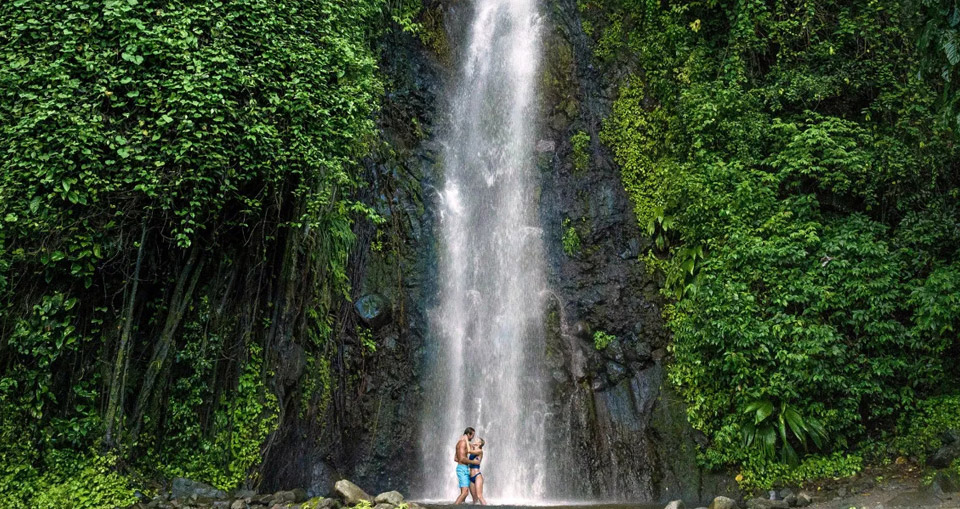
463	469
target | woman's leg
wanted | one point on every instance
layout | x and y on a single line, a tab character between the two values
478	486
473	489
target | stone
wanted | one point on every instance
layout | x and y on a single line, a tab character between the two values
374	310
238	504
184	489
791	500
299	495
384	506
414	505
723	503
784	493
349	493
582	330
948	452
763	503
676	504
329	503
284	497
804	499
546	146
390	497
242	493
220	504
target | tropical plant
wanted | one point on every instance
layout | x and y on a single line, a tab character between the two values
769	429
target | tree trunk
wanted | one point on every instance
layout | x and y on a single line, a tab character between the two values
178	304
119	377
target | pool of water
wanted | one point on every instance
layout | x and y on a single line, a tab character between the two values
549	505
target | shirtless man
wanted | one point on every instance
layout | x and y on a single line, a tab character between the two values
463	464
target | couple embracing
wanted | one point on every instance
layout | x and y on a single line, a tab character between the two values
468	455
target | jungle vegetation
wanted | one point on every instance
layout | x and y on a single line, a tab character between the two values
177	189
796	166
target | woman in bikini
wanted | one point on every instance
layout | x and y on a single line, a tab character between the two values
475	452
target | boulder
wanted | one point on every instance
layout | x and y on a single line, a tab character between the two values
723	503
804	499
948	452
374	310
184	489
384	506
238	504
763	503
945	481
546	146
676	504
791	500
350	493
284	497
390	497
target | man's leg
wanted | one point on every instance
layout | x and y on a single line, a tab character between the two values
462	497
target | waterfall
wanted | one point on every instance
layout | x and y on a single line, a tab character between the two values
487	368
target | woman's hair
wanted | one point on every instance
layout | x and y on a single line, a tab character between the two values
481	442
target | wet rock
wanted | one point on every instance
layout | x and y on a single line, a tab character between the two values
390	497
546	146
804	499
350	493
945	481
374	310
582	330
615	372
676	504
949	451
184	489
723	503
791	500
763	503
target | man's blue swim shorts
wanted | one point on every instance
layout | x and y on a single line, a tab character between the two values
463	475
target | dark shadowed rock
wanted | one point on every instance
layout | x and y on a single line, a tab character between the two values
374	310
350	493
804	499
948	452
763	503
184	489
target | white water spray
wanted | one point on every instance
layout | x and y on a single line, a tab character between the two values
488	327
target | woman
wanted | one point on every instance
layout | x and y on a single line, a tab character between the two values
475	452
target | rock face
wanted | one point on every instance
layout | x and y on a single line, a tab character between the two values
611	408
349	493
676	504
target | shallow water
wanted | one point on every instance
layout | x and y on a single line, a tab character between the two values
551	505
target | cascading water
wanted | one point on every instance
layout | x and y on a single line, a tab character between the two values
488	325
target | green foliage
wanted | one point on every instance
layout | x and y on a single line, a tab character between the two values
760	473
365	335
803	202
93	483
242	423
581	151
919	432
768	429
602	339
570	239
205	151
